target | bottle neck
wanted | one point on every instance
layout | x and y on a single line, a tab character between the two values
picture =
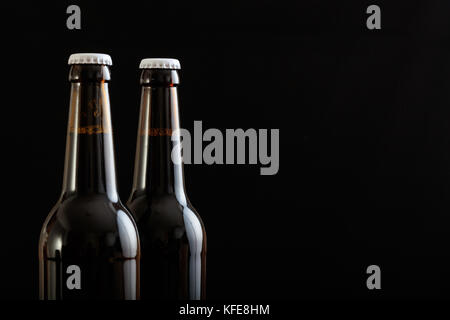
89	163
158	170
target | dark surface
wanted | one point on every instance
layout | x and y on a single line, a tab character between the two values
364	126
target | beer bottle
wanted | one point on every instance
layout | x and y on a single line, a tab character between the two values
172	235
89	245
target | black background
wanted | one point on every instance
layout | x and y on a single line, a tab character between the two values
364	119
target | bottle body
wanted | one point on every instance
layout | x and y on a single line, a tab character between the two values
172	235
173	242
89	245
88	250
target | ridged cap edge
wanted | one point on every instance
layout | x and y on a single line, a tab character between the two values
90	58
160	63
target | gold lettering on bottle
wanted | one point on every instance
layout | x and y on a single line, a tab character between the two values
96	119
157	132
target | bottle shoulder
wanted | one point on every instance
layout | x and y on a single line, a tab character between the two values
159	203
165	219
88	214
165	209
89	223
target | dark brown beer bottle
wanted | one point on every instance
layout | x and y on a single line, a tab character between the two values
89	245
172	235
